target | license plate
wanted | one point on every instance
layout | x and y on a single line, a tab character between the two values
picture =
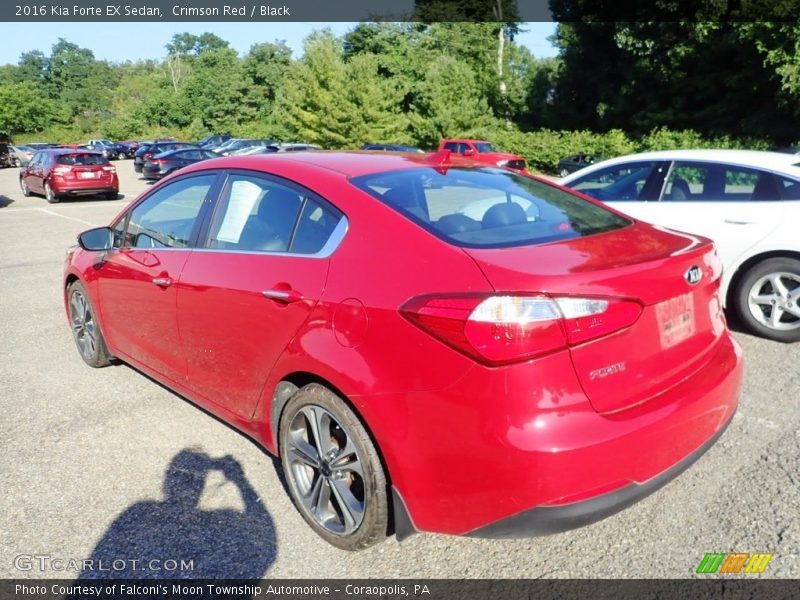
676	320
88	175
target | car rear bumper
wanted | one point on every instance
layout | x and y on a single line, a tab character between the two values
520	451
546	520
84	188
152	173
137	167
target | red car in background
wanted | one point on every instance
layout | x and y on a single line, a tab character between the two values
483	151
59	172
537	366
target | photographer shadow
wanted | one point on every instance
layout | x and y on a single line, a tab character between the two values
159	540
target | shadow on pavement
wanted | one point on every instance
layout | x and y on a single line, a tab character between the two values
220	543
5	201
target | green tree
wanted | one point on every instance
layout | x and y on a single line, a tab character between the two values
25	109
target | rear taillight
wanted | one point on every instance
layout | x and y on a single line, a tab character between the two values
65	172
498	330
110	169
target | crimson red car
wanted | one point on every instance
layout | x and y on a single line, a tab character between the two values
536	366
483	151
59	172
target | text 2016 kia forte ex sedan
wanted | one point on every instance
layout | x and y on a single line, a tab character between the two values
428	343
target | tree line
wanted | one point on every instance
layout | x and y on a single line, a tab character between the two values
414	83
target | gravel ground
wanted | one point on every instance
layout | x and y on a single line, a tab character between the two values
84	452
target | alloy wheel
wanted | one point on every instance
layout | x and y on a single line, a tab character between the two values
326	470
84	328
774	301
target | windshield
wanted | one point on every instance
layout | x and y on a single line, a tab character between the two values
488	208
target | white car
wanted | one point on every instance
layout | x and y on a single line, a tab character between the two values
748	202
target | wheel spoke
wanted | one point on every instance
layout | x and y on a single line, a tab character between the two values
793	310
303	451
352	510
347	460
775	317
323	499
310	499
763	299
778	285
320	423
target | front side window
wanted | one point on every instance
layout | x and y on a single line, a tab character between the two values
484	147
166	218
618	182
261	215
488	208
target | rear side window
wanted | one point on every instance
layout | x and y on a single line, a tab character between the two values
81	159
261	215
713	182
488	208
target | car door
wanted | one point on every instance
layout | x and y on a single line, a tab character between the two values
137	280
735	206
243	297
29	174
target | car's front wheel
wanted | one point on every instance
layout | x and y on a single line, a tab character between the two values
26	191
563	173
85	328
767	299
333	470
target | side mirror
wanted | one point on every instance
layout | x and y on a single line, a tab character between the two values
97	240
469	152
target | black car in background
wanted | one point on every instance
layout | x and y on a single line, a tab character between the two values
165	163
213	140
392	148
148	151
573	163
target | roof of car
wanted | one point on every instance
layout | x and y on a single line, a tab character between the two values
775	161
348	163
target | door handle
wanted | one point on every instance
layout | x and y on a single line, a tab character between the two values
284	296
739	222
163	282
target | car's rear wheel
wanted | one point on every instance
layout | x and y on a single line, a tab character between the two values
111	195
26	191
768	299
333	470
85	329
49	195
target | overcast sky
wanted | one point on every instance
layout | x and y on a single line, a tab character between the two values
133	41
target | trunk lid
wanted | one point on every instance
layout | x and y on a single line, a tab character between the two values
680	323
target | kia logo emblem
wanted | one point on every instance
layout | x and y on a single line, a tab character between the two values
693	275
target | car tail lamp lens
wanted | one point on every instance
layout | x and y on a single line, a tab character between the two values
499	330
110	169
62	171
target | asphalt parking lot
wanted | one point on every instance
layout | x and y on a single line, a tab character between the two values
84	453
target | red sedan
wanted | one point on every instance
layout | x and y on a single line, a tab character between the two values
58	172
428	343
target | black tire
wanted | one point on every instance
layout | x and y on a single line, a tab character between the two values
336	474
111	195
49	194
24	187
757	316
86	331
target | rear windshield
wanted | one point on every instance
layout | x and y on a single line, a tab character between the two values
81	159
488	208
